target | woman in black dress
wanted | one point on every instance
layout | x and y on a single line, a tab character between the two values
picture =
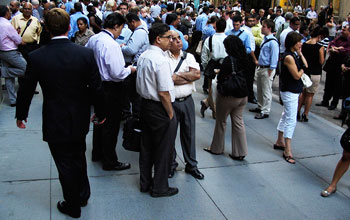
95	21
314	55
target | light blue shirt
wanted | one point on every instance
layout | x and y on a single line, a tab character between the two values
201	21
245	37
184	42
269	53
69	6
208	31
136	45
124	35
73	23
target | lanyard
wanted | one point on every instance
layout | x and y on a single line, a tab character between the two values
111	35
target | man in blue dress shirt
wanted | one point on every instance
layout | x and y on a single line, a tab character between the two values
241	33
268	60
202	19
173	21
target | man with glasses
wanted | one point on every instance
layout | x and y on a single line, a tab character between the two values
155	85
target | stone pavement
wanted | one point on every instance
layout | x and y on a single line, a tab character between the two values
263	186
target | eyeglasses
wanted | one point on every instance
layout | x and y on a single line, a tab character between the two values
169	37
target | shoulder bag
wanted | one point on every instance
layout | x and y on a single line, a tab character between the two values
235	84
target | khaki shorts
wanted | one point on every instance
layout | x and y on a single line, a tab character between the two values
315	79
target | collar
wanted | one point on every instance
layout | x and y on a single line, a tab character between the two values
59	37
156	48
4	19
108	33
23	18
171	55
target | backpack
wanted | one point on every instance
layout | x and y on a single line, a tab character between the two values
212	64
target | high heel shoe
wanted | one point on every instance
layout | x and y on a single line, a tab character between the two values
326	193
304	118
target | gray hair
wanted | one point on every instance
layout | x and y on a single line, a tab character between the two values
288	16
35	2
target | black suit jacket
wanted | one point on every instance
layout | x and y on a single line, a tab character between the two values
70	81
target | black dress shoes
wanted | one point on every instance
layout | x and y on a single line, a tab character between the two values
172	173
83	203
256	110
252	100
332	107
323	104
195	173
240	158
261	116
13	105
339	117
209	151
118	166
170	192
63	207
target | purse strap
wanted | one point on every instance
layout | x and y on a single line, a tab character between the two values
27	25
233	63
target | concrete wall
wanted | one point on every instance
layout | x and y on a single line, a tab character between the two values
344	9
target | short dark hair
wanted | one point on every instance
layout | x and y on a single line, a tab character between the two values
316	31
237	18
84	20
221	25
212	19
89	8
157	29
114	19
78	6
132	17
57	21
3	10
269	24
170	7
123	3
292	39
95	3
205	9
294	20
170	18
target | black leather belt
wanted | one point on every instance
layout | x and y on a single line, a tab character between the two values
264	66
182	99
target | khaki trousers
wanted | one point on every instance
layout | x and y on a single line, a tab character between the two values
234	107
264	89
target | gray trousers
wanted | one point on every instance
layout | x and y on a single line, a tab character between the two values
13	65
185	115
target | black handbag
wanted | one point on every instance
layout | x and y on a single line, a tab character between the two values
132	134
212	64
235	84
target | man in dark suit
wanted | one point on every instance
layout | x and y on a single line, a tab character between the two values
70	81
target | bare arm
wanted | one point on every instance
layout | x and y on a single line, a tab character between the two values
321	55
192	75
165	98
292	67
178	80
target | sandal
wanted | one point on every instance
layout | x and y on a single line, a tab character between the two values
289	159
278	147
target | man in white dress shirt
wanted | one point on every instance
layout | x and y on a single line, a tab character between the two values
158	121
185	71
110	61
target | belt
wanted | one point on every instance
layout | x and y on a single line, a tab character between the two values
182	99
264	66
151	101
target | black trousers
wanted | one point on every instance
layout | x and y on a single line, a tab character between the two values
71	165
131	96
105	136
157	142
185	115
250	78
332	88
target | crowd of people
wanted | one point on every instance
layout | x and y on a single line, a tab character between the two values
141	60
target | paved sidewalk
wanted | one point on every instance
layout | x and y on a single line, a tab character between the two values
263	186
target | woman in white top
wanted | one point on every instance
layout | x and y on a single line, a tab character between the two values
332	28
